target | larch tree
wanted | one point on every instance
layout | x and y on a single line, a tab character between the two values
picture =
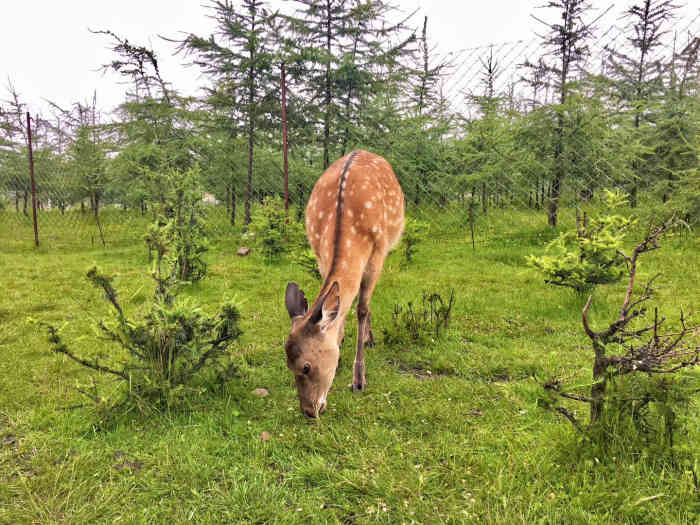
566	45
637	73
241	53
345	44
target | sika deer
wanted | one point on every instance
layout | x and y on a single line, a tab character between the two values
353	218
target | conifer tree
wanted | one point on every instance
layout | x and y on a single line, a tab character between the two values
566	44
344	45
241	53
637	74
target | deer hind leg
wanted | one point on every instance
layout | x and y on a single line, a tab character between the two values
364	331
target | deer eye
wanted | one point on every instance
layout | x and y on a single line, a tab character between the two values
307	369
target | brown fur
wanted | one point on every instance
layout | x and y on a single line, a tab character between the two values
354	216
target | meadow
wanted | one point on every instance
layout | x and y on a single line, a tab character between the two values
448	431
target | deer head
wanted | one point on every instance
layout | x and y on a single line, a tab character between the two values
312	346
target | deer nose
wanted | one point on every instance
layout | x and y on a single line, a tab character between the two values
309	413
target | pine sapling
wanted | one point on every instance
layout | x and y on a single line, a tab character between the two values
591	255
158	355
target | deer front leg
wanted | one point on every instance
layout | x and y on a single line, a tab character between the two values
369	338
363	322
364	332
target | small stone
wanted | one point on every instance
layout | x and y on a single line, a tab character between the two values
475	413
243	251
264	436
261	392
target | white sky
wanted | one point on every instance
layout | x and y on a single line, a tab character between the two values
48	52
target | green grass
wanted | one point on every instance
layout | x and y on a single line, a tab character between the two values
464	443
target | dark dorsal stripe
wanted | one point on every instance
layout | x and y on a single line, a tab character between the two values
338	216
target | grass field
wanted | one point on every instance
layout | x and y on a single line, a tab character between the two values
447	432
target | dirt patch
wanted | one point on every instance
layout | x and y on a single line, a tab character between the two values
422	371
126	464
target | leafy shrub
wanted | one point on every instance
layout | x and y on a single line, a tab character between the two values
271	231
415	232
268	227
307	260
420	326
179	229
589	256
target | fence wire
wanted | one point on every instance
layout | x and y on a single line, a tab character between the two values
449	200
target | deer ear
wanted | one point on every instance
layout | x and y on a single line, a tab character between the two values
295	301
326	311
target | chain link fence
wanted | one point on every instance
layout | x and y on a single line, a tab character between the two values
466	198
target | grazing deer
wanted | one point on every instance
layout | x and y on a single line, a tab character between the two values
353	218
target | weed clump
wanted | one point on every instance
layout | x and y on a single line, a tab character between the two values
420	325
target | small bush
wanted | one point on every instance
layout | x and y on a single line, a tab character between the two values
179	229
307	260
159	355
420	326
271	231
590	255
414	233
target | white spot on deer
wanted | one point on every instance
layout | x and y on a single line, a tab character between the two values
353	230
368	204
348	243
330	194
320	215
344	265
350	214
375	228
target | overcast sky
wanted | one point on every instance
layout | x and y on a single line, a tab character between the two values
48	52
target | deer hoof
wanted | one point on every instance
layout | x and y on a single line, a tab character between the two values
358	387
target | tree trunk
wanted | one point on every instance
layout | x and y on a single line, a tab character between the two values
251	123
327	116
600	366
233	206
96	209
553	204
300	207
24	204
484	203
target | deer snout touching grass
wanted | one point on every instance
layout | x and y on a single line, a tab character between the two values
354	216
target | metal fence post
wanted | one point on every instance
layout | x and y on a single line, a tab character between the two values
285	165
31	174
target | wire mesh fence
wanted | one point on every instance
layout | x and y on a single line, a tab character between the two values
499	108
